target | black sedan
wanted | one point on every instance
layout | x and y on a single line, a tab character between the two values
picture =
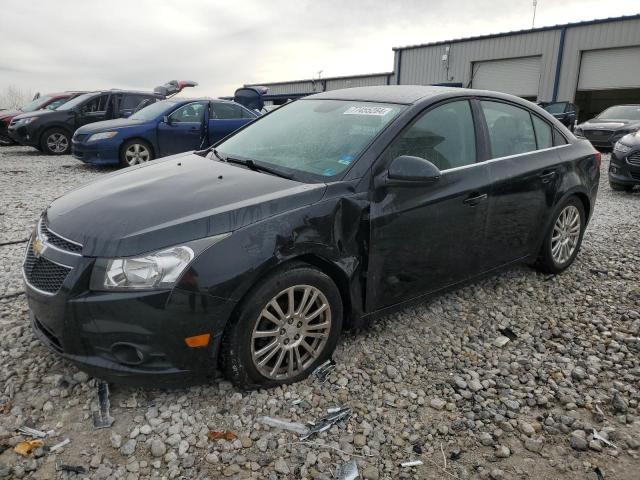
610	126
252	257
624	167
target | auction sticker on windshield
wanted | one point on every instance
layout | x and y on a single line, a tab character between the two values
376	111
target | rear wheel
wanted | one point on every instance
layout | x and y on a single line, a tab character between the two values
286	327
135	152
619	187
562	241
56	142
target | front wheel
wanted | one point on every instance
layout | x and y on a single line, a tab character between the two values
55	142
135	152
286	327
562	241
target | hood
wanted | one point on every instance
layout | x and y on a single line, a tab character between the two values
171	201
108	125
597	123
7	115
42	113
631	139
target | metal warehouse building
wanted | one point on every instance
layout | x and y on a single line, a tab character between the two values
594	64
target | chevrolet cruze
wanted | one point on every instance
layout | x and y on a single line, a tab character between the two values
252	256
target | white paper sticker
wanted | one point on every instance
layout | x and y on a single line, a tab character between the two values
376	111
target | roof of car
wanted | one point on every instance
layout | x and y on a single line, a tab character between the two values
402	94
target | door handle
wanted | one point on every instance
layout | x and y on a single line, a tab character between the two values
547	175
475	199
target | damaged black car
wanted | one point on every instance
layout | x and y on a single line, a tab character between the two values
251	257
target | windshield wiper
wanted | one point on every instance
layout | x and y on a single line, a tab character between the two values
254	166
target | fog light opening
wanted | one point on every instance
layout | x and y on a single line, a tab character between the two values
127	354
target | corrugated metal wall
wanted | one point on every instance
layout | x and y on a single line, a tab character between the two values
356	81
424	65
284	88
625	33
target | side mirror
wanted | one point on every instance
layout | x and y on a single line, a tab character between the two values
166	119
406	170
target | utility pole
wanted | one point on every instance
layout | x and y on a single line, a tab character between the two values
535	5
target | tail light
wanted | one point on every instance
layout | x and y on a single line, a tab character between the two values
598	158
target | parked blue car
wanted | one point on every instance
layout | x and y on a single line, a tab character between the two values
163	128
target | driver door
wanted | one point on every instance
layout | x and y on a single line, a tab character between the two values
96	109
425	237
184	129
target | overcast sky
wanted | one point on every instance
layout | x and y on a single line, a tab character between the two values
50	45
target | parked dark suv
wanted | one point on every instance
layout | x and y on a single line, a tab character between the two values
51	131
50	101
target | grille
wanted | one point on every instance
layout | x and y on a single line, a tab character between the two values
597	134
80	137
56	240
634	159
635	175
43	274
52	339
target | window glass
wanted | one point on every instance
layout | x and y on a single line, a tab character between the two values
311	139
543	132
226	111
190	113
558	138
510	129
556	107
247	114
97	104
56	103
129	102
445	136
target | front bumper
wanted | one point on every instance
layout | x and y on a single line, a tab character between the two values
97	153
623	169
23	135
135	338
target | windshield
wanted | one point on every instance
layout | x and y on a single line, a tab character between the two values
153	111
555	107
76	101
35	104
317	137
621	112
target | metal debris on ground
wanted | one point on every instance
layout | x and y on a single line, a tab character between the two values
58	446
507	332
297	401
32	432
77	469
599	474
323	370
221	435
102	418
325	423
295	427
26	448
347	471
597	436
412	463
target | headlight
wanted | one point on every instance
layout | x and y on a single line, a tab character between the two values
621	148
101	136
160	269
26	121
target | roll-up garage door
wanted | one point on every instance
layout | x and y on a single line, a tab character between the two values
518	76
610	68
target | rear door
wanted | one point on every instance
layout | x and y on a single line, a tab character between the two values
524	171
226	118
424	238
184	130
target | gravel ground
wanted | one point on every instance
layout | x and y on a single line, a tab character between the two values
431	383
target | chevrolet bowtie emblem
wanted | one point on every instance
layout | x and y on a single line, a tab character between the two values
37	247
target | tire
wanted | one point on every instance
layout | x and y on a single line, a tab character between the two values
135	152
554	257
56	141
242	352
619	187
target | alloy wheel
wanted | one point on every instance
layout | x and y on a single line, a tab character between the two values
136	153
291	332
566	233
57	143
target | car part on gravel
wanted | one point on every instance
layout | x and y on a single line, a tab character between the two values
412	463
295	427
347	471
60	445
322	372
325	423
32	432
102	418
77	469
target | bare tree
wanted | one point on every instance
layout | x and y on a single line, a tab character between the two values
15	97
